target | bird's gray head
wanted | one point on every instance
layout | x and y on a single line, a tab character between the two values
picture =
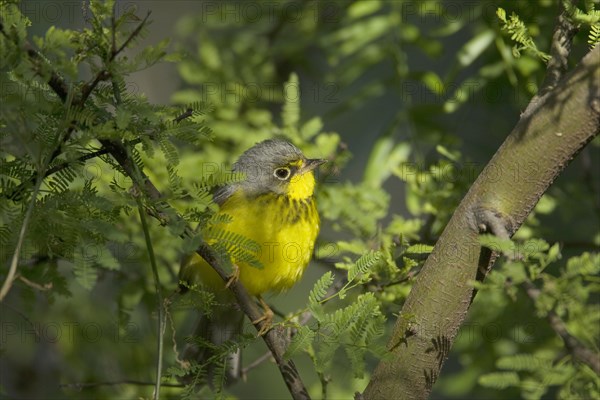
276	166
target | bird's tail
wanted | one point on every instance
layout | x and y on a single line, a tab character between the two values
209	349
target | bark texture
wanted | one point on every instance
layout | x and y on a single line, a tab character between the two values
551	131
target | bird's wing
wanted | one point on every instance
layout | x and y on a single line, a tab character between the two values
222	193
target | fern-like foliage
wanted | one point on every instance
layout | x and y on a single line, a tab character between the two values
519	33
234	247
354	328
320	288
84	238
594	36
318	292
363	265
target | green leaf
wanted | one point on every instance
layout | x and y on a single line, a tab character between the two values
319	291
321	287
419	249
553	253
311	128
452	156
327	143
433	82
475	46
123	118
588	264
170	151
499	380
238	248
300	342
494	243
84	266
501	13
360	9
523	362
107	260
209	54
546	204
363	265
290	114
463	93
594	35
385	157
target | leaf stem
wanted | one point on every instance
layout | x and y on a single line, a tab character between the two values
161	322
10	278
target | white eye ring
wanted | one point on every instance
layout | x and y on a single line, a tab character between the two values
282	173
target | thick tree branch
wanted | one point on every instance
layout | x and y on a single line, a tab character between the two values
551	131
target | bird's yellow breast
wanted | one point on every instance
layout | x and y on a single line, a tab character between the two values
284	226
301	186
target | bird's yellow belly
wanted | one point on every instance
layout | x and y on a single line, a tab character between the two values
285	231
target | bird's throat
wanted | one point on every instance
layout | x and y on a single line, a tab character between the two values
301	186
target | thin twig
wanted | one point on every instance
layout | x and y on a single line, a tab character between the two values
37	286
88	88
577	349
15	258
34	328
89	156
324	379
266	356
57	168
562	40
133	34
113	31
8	282
104	74
169	317
186	114
161	324
88	385
150	249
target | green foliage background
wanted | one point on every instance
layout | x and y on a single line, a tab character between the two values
395	94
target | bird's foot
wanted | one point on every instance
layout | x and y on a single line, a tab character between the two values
234	277
266	319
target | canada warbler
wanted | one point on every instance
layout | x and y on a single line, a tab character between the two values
273	205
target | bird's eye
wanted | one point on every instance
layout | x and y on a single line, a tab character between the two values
282	173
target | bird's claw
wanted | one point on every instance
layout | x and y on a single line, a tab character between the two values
234	277
266	319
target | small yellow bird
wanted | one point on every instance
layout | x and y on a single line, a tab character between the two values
273	205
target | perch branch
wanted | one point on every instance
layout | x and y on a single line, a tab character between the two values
272	338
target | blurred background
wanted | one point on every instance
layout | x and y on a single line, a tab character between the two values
387	82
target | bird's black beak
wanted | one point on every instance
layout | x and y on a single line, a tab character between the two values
311	164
